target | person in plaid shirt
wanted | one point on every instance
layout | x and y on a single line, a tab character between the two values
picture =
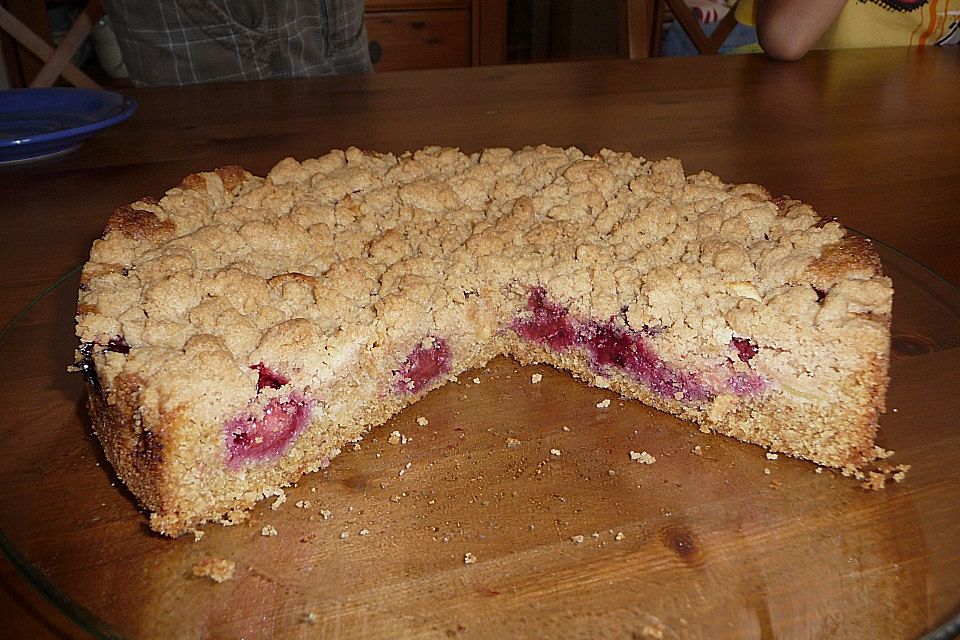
176	42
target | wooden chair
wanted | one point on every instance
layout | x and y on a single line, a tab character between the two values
56	61
705	44
639	30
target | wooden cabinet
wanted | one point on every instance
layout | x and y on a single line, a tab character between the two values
420	39
426	34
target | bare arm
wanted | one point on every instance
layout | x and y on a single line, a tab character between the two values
787	29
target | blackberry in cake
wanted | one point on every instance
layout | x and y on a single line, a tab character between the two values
236	333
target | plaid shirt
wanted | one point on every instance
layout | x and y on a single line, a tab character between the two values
172	42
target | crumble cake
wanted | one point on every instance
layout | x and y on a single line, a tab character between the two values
238	332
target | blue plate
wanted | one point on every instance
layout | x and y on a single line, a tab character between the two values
38	123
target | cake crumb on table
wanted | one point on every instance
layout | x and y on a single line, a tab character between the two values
577	539
619	536
555	452
469	558
422	421
398	438
304	504
652	632
268	531
879	453
476	381
217	569
877	480
512	443
772	456
766	471
603	404
198	535
344	535
281	498
535	378
642	457
326	513
698	450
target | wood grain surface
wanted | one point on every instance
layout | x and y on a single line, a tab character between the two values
869	136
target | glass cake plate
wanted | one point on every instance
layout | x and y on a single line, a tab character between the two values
515	510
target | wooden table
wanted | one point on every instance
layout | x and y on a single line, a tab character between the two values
869	136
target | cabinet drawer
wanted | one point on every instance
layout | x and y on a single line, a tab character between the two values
419	39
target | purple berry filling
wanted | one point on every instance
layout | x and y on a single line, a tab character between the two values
423	366
746	384
627	350
550	324
255	439
88	369
745	347
117	344
610	345
86	366
267	377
